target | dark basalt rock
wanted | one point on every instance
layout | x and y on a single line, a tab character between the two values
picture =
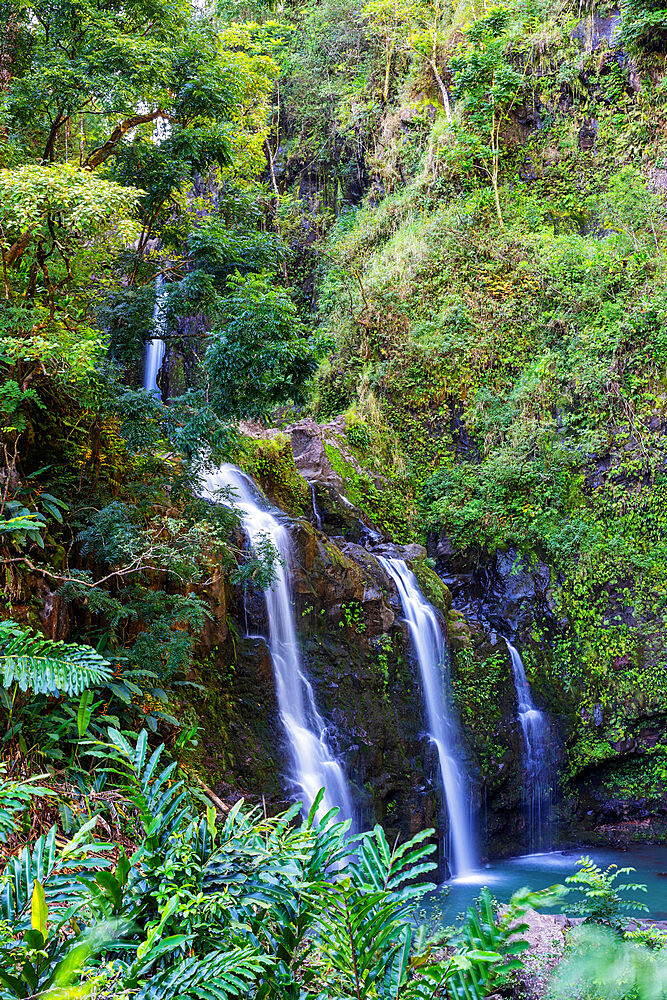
514	592
504	590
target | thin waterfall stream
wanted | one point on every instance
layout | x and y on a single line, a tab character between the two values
432	654
537	741
313	764
155	347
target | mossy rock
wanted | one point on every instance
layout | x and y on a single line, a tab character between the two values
383	502
434	590
271	464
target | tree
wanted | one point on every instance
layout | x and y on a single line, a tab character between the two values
108	111
259	353
488	86
413	26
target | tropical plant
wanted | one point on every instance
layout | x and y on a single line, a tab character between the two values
488	86
15	797
29	662
259	354
602	901
601	966
41	894
205	910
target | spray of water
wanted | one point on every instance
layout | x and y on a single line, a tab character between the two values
537	742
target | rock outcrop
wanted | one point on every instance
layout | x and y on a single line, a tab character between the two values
359	658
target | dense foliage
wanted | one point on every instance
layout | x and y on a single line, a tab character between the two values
442	227
250	907
131	207
500	329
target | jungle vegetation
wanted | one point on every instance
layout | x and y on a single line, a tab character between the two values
446	223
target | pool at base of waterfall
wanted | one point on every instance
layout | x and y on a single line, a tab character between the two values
539	871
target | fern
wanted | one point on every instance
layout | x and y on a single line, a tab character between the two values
59	872
15	796
602	902
225	975
44	666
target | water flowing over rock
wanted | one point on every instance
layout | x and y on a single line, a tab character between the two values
313	764
155	347
538	755
431	652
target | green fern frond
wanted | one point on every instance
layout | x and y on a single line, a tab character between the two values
45	666
222	976
15	796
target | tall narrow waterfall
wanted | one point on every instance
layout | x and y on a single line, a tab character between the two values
432	654
155	347
313	764
537	741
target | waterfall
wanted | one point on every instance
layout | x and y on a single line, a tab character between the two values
432	655
155	347
313	765
317	517
537	741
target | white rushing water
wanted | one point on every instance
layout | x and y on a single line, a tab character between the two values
429	645
155	347
313	764
537	742
317	517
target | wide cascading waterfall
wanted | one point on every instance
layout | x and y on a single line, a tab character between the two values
313	764
537	742
432	655
155	347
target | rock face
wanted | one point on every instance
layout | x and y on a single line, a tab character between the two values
357	653
310	457
503	590
616	798
358	657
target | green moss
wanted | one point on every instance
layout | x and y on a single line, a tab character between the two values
481	684
389	508
236	737
271	464
432	587
641	777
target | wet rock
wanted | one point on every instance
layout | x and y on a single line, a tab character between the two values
596	31
310	457
406	552
515	592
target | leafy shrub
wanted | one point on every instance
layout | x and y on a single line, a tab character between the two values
603	902
600	966
268	907
644	24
